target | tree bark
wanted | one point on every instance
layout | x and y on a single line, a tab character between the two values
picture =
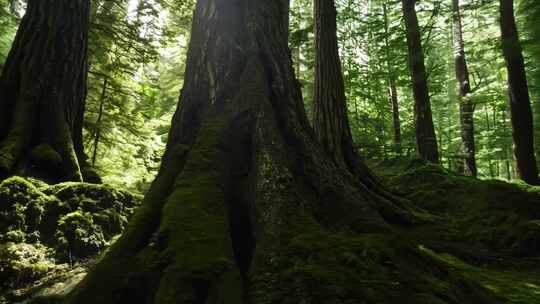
425	131
242	175
42	92
520	105
330	114
466	108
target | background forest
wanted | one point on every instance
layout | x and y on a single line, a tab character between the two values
245	200
138	48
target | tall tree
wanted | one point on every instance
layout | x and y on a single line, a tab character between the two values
330	115
42	92
392	89
241	176
520	105
466	107
425	131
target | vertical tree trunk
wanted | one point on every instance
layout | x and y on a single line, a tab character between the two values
330	115
392	90
425	131
42	92
97	135
466	108
520	105
396	123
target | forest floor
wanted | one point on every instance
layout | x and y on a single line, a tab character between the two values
473	233
487	230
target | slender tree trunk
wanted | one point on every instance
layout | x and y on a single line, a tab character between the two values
97	135
396	123
392	90
466	108
425	131
42	92
520	105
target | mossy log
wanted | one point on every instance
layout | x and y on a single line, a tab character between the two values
43	91
247	206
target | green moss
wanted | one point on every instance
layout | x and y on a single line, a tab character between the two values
65	222
343	268
491	215
22	264
513	285
20	205
195	229
78	236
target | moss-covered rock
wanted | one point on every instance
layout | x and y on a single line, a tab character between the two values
44	229
78	236
22	264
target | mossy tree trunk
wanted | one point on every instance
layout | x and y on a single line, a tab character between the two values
466	107
520	104
243	174
425	131
43	91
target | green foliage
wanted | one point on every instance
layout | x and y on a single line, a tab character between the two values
138	48
373	48
8	23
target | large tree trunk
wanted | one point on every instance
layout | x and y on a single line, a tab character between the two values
42	92
243	185
466	107
425	131
242	174
520	105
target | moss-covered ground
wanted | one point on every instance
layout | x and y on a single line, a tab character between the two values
478	243
48	231
487	230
